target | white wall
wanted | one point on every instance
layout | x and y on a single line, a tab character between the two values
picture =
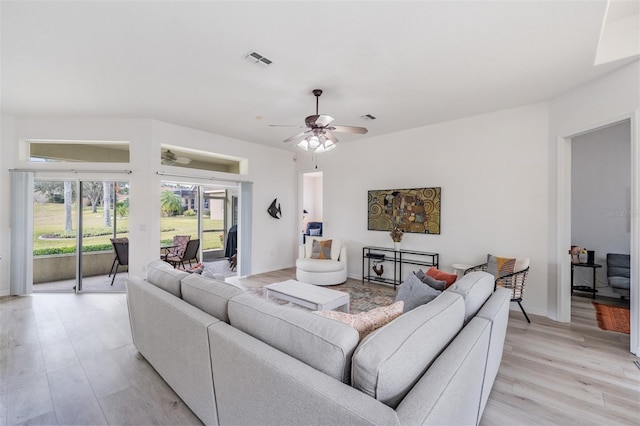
271	170
273	174
493	171
600	190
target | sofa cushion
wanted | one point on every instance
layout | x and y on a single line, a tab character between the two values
321	249
389	361
211	296
366	322
414	293
336	246
620	282
161	274
475	288
319	342
439	275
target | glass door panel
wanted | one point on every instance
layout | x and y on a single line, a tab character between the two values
105	231
213	225
178	213
55	225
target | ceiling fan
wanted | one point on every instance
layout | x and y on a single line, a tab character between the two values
318	137
168	158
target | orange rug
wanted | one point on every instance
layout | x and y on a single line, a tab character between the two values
613	318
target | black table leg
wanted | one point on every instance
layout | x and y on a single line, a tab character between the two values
594	284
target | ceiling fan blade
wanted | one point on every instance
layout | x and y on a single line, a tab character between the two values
349	129
329	136
286	125
298	136
318	120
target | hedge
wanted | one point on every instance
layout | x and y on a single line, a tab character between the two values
71	249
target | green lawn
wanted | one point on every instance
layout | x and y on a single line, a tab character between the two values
49	218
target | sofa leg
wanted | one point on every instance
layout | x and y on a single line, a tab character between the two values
525	314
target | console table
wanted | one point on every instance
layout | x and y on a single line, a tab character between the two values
585	288
395	258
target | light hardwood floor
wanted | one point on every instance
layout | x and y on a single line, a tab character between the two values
67	359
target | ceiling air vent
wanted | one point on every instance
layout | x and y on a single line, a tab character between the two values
258	59
367	117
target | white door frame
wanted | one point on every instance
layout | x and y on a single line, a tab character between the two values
563	278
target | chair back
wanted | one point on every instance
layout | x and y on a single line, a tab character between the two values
314	225
191	252
180	241
121	247
618	265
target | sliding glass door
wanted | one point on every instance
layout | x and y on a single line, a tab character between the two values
74	224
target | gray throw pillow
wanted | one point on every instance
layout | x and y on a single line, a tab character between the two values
414	293
433	283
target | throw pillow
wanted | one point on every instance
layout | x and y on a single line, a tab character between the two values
433	283
500	266
314	232
321	249
437	274
366	322
414	293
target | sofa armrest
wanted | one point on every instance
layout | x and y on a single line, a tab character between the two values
301	252
172	335
281	389
450	391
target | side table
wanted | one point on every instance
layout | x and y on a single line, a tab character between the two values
459	268
585	288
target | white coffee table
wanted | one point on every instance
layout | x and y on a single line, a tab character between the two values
309	295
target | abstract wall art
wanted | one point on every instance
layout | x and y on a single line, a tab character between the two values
415	210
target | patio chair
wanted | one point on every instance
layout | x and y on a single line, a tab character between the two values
513	281
121	248
189	254
177	248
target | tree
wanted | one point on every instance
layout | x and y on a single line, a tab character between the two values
93	191
170	203
68	202
106	203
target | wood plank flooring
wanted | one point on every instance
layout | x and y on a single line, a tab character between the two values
67	359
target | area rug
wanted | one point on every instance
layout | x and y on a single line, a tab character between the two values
613	318
362	297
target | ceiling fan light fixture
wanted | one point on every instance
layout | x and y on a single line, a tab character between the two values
314	142
304	144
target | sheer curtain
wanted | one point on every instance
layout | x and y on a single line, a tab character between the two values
21	262
244	228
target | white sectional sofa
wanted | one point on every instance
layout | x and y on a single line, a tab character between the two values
238	359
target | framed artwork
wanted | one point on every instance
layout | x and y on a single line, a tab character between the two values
415	210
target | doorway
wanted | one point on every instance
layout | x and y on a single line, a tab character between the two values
207	213
312	205
564	214
74	222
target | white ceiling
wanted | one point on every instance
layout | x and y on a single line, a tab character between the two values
410	64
